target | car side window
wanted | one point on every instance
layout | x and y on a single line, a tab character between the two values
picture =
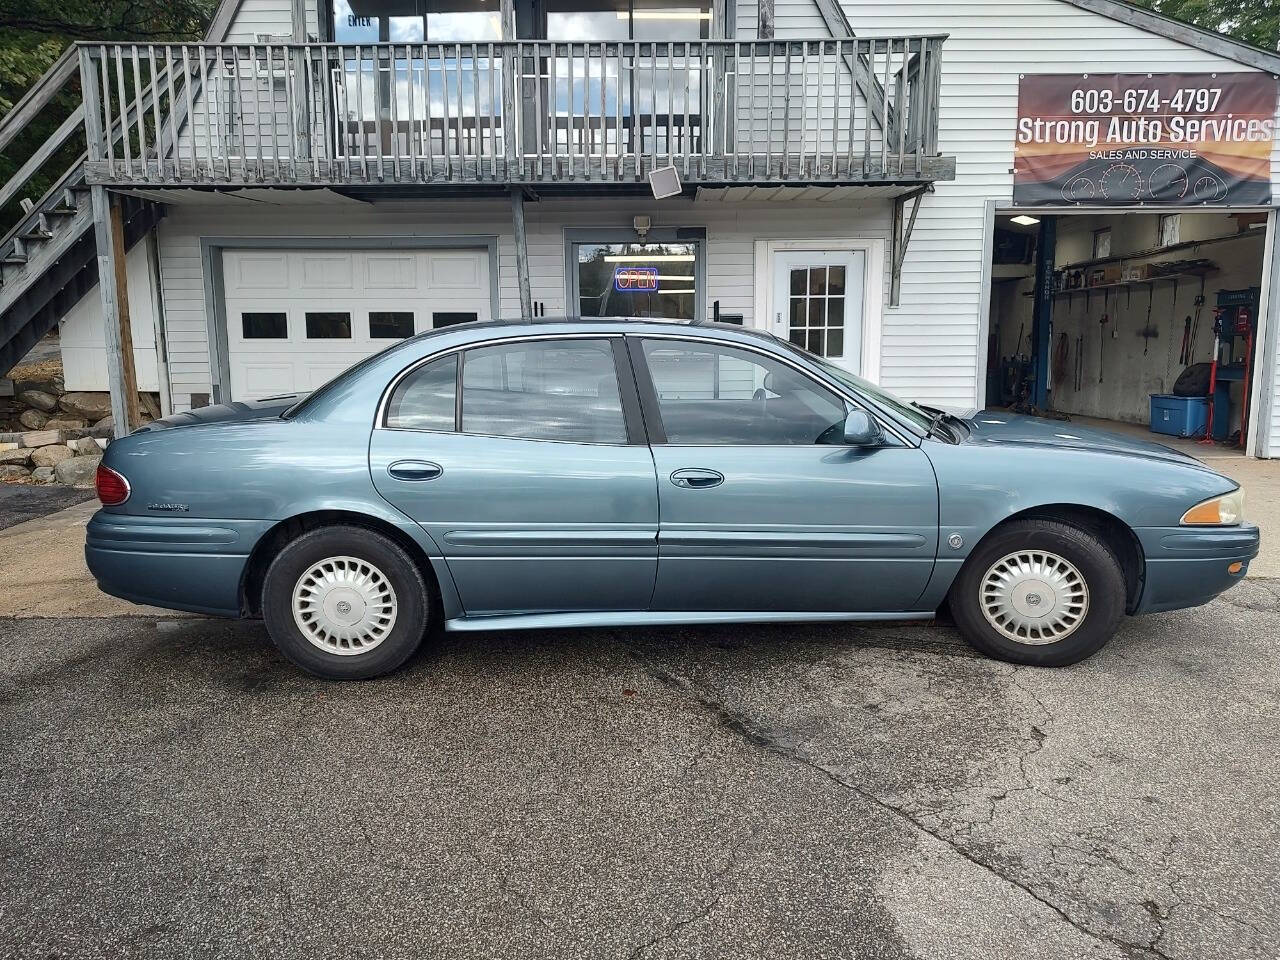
715	394
543	390
424	400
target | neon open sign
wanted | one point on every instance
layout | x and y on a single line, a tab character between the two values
630	279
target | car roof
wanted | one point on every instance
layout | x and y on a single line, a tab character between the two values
482	329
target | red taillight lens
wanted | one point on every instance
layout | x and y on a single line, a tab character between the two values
113	489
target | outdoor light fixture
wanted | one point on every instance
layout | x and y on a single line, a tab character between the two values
1023	219
664	182
641	226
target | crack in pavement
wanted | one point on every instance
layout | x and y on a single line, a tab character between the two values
703	910
749	731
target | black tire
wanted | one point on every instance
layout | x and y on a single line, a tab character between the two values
411	594
1097	566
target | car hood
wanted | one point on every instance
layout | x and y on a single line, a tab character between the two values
1008	429
266	408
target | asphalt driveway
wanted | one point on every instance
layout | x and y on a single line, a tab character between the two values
173	788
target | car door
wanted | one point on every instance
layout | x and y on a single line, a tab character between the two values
762	505
526	462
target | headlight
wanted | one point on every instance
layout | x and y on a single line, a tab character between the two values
1224	511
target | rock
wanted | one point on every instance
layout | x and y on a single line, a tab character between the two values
87	406
86	445
41	438
50	456
43	474
77	471
44	402
33	419
109	422
11	471
21	457
66	423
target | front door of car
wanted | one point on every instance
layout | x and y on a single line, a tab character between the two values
526	462
762	505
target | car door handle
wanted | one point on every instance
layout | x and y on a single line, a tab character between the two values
695	478
415	470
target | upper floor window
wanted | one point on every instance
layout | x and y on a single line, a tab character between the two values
595	20
416	21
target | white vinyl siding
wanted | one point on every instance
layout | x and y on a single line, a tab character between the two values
261	18
732	230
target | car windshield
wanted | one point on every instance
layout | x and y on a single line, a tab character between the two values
354	370
866	387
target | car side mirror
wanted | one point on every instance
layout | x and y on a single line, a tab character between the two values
861	430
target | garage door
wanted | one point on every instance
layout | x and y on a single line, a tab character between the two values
295	318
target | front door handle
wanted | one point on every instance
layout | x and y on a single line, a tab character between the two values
696	478
415	470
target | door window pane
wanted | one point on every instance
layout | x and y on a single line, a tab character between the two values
390	324
816	309
543	390
328	326
412	21
264	326
709	394
637	280
424	400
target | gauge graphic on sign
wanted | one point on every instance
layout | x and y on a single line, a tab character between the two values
1121	181
1168	181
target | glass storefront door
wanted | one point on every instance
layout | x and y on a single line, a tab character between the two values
637	279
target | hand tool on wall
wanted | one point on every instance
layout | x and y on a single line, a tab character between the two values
1186	342
1148	331
1079	362
1102	342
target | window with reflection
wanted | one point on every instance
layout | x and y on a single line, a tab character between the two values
715	394
637	280
593	20
416	21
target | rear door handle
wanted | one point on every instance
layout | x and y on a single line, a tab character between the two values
696	478
415	470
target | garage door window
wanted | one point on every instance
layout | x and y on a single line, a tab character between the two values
264	326
424	400
390	324
550	390
328	326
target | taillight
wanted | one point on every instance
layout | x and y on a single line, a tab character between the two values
113	489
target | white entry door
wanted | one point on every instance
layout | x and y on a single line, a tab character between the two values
297	318
817	301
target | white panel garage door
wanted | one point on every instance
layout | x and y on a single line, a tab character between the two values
295	318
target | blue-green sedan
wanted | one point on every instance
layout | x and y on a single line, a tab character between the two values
617	472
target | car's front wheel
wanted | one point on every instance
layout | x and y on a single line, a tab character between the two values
1039	592
345	603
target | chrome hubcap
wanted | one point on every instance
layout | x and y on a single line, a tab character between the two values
344	605
1034	597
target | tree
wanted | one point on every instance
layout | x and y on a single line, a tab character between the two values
33	33
1253	21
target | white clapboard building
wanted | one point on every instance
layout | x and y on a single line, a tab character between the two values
1037	203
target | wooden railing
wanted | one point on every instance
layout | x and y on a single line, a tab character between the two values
827	110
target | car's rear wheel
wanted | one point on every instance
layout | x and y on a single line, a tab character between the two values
345	603
1039	592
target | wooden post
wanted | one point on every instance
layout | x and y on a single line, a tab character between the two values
108	227
522	252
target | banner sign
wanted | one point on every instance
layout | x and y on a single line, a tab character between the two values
1127	139
631	279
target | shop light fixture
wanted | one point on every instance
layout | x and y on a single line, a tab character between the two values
1023	219
665	15
646	258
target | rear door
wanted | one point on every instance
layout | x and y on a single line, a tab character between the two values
526	462
762	505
